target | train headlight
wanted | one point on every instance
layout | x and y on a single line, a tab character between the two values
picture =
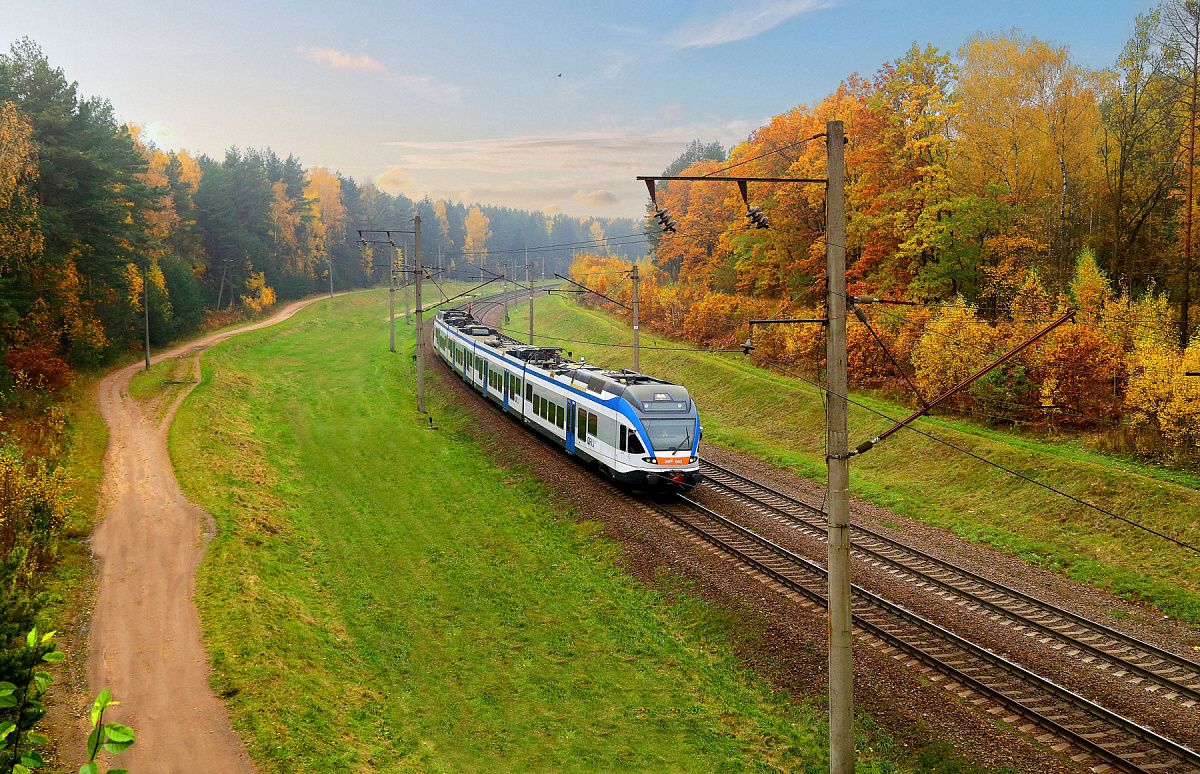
650	459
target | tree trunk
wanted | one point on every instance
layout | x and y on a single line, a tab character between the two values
1191	173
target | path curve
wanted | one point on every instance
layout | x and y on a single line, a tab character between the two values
145	643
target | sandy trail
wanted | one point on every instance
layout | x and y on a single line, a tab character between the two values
145	641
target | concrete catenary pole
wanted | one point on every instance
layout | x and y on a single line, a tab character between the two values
633	275
504	269
841	663
418	272
392	267
407	308
529	282
146	310
329	268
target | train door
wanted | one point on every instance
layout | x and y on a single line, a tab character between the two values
507	387
484	381
571	426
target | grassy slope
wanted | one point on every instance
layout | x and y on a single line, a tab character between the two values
382	598
85	464
781	419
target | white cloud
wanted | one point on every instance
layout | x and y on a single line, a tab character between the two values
598	198
592	173
395	180
427	88
743	20
160	133
421	86
582	152
340	60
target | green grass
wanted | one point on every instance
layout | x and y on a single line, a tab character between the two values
383	598
84	462
780	419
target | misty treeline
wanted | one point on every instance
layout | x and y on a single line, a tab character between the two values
91	212
996	188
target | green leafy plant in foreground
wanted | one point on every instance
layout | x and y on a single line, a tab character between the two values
18	740
112	737
17	734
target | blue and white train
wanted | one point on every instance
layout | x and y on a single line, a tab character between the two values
635	428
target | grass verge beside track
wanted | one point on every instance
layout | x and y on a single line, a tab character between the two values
381	597
781	420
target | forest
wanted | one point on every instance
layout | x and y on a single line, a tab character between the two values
95	222
90	211
988	192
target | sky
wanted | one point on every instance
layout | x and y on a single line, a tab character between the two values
552	106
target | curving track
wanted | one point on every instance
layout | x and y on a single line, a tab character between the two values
1068	722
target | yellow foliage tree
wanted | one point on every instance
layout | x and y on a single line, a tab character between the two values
477	236
259	296
323	191
20	236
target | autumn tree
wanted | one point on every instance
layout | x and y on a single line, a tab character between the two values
1140	146
1180	37
324	195
477	235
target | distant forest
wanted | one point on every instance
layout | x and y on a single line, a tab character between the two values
90	210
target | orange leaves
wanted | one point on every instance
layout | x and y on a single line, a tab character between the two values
285	216
38	367
20	237
260	296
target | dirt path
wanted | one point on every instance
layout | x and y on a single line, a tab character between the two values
145	641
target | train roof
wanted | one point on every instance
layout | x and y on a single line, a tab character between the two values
639	386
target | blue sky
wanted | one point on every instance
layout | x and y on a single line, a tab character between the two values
464	100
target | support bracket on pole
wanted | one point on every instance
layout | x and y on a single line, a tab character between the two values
748	346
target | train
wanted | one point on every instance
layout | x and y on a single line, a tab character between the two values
641	431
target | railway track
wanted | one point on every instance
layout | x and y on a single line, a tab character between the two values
1117	654
1054	715
1067	722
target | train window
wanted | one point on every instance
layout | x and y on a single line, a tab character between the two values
528	391
635	445
560	417
622	437
581	425
591	427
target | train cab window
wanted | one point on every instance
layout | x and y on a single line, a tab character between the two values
622	437
581	426
559	421
591	424
528	391
634	444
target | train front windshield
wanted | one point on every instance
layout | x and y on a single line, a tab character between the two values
671	434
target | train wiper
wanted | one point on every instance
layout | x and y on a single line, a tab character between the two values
687	441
